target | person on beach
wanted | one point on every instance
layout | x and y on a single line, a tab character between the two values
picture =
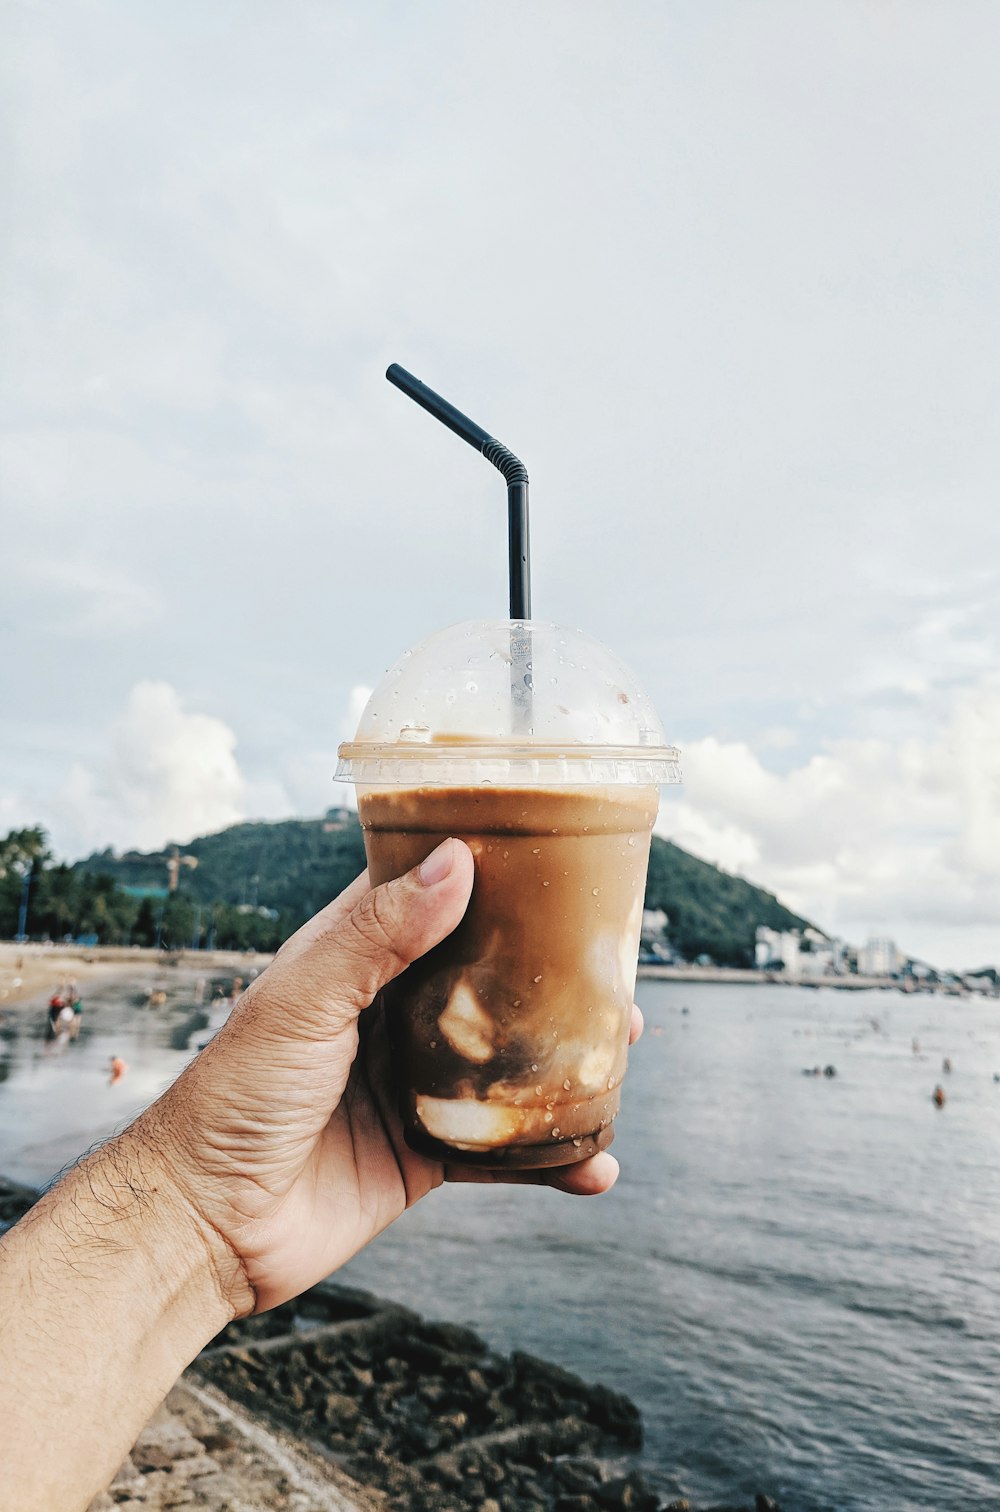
117	1068
275	1156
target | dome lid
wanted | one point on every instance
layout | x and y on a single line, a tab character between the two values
509	702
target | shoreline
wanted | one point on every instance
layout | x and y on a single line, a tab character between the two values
29	970
735	976
43	967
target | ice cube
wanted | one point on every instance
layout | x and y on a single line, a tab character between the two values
468	1123
628	950
596	1065
466	1025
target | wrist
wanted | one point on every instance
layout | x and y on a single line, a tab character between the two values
207	1281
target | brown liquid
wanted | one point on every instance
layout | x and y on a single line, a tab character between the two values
510	1037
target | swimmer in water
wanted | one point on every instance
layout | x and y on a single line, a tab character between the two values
118	1069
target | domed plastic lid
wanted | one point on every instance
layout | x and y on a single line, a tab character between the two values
513	703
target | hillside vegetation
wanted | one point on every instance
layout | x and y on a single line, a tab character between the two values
293	867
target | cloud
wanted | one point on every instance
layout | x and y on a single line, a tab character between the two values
168	774
867	834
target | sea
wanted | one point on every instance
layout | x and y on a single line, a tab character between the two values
797	1276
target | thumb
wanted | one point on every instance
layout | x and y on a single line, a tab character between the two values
328	984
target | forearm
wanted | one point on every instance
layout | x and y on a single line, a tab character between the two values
108	1288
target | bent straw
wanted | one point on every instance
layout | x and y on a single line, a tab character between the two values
513	469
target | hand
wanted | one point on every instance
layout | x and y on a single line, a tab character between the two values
282	1138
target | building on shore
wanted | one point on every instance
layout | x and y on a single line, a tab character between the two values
802	955
879	957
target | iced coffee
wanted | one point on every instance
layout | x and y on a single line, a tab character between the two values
509	1039
514	1030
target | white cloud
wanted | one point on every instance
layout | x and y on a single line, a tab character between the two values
871	833
168	775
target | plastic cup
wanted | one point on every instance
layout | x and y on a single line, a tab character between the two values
509	1039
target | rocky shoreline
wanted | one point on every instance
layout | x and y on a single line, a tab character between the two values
422	1414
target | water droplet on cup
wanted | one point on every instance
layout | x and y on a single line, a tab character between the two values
534	1065
567	1084
596	892
578	1143
556	1132
537	851
548	1117
536	979
611	1082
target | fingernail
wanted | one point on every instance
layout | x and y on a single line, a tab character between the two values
438	864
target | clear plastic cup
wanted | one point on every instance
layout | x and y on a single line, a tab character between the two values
533	744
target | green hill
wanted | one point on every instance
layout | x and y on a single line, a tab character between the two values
261	880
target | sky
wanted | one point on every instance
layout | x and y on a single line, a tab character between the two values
724	275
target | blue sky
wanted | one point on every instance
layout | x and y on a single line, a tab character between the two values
724	275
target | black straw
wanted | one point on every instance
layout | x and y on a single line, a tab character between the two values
513	469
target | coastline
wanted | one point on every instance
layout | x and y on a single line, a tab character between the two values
739	977
43	967
30	970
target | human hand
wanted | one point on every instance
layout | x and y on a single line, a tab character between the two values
282	1138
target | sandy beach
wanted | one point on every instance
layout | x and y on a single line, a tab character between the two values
30	971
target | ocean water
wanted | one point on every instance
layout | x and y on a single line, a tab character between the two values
797	1278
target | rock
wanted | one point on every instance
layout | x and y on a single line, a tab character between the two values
578	1476
341	1411
631	1492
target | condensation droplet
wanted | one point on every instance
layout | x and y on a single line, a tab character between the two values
548	1117
517	1002
433	1044
538	1091
611	1082
596	891
567	1084
534	1065
545	884
578	1143
556	1132
631	839
537	851
536	979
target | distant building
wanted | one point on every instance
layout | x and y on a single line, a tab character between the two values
798	953
654	923
777	950
338	819
878	956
